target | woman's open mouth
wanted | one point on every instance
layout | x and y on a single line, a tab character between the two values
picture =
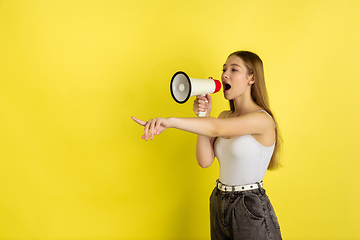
226	86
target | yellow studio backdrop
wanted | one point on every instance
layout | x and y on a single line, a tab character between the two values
72	162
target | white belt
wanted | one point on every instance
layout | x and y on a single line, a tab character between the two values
225	188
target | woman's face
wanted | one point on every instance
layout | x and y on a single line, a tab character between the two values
235	78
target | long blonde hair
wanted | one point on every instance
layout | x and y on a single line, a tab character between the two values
254	66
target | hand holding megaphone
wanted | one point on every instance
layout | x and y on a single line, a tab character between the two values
183	87
202	104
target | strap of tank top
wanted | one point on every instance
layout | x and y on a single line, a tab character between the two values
268	115
229	114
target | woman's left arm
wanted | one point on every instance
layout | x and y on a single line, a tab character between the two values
251	123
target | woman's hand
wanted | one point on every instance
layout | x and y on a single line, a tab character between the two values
202	104
153	126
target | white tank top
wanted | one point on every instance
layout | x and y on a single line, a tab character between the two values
242	159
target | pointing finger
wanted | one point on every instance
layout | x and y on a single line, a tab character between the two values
142	123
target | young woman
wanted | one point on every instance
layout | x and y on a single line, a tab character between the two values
246	142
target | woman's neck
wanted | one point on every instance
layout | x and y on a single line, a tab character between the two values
244	105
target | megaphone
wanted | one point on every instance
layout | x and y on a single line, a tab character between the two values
183	87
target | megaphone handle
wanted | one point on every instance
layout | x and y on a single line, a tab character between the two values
202	114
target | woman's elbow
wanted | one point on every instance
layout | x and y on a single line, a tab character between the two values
216	130
205	164
202	165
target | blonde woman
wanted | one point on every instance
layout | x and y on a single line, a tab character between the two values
245	140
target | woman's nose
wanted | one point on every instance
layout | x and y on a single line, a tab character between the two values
225	75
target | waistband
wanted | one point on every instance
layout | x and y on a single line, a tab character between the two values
238	188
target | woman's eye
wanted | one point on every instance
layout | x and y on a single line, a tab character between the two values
234	70
224	70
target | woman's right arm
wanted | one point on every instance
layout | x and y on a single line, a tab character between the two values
205	153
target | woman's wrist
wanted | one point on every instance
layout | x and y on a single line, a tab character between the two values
171	122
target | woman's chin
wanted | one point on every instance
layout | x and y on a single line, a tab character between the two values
226	96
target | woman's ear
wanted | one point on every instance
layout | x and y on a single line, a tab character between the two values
251	79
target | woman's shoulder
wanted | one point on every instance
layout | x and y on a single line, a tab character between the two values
263	117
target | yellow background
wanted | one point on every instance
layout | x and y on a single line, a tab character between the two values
72	162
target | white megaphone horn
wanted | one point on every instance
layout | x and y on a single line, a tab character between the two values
183	87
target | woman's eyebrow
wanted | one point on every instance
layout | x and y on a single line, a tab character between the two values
234	64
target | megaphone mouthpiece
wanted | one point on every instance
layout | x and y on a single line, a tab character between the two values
217	85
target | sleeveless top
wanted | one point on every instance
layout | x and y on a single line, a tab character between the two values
242	159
